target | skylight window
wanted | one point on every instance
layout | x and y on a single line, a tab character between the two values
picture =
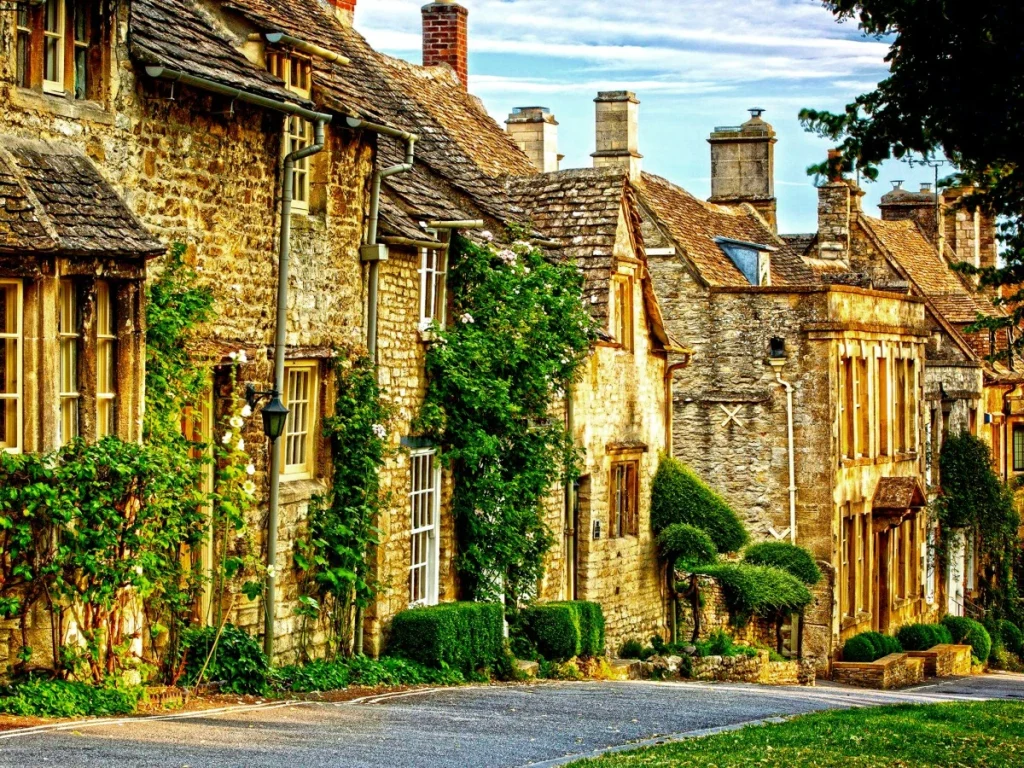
751	259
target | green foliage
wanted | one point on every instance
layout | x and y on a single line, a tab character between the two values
516	340
721	643
564	630
921	637
969	632
322	675
334	558
38	697
464	636
633	649
236	659
1012	637
789	557
686	546
679	496
870	646
758	589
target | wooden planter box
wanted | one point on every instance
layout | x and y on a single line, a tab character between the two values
897	670
945	660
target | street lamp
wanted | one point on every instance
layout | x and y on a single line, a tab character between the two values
274	414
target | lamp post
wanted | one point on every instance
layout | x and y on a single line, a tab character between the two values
275	417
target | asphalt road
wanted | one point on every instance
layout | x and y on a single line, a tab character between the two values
508	727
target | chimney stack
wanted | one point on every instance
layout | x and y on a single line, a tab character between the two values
835	206
344	10
743	165
618	128
901	204
446	37
535	130
970	234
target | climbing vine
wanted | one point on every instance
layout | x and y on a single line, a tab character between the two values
518	335
334	559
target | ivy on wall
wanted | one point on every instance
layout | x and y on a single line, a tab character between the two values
517	336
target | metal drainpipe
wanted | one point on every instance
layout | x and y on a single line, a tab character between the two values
671	577
570	505
792	464
280	340
374	253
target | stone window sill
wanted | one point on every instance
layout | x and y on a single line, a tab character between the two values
61	105
294	491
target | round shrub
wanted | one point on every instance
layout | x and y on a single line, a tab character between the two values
686	546
679	496
758	589
920	637
859	648
969	632
789	557
237	661
631	649
1012	637
942	634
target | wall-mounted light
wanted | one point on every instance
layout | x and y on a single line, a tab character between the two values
274	414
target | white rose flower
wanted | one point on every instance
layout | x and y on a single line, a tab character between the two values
487	236
236	422
271	571
246	411
242	357
380	431
250	470
226	439
233	355
241	444
138	569
249	487
467	319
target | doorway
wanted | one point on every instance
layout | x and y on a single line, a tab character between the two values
882	598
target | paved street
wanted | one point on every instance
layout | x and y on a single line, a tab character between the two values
510	727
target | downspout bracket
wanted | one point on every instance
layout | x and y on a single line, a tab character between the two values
373	252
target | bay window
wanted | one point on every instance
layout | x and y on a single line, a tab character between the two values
10	365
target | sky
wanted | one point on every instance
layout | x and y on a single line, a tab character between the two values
694	65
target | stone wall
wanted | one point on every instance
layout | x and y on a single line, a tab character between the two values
945	660
897	670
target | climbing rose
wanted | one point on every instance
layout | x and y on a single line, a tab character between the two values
236	422
467	318
250	470
246	411
380	431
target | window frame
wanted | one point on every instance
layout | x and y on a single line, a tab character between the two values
18	336
623	320
68	293
56	87
294	140
285	65
23	47
1017	435
433	287
623	501
424	527
305	470
848	549
106	341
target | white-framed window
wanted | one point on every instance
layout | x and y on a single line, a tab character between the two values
69	331
301	389
433	291
299	135
54	21
106	362
425	509
10	365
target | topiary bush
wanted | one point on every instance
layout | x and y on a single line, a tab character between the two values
758	589
463	636
686	546
921	637
679	496
870	646
237	661
562	630
969	632
789	557
1012	637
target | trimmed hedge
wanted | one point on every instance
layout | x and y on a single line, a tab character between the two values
560	631
679	496
969	632
921	637
686	545
789	557
463	636
870	646
1012	637
758	589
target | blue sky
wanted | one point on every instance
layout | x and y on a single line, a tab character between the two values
694	64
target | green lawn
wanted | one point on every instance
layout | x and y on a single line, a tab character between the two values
978	735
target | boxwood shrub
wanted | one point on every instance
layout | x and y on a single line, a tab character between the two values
789	557
559	631
463	636
679	496
870	646
686	546
758	589
969	632
1012	637
921	637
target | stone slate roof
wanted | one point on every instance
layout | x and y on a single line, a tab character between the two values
694	224
897	494
931	275
54	200
179	35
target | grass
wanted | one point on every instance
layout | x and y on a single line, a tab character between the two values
976	734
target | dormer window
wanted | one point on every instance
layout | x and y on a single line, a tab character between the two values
296	71
58	48
751	259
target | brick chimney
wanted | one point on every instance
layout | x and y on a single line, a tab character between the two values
835	206
343	9
743	165
618	128
446	38
535	130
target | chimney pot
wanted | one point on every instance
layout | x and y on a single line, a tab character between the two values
743	165
446	37
926	187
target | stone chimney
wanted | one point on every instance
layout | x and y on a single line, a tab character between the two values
535	130
343	9
901	204
743	165
970	234
446	37
618	128
835	207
